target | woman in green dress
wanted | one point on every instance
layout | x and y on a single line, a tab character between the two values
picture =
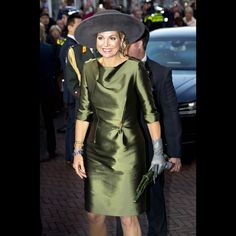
112	90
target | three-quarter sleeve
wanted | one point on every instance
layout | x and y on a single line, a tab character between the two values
143	87
84	111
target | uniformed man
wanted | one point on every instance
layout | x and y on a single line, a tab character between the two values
64	17
69	101
78	54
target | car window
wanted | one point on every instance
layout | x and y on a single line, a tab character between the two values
174	53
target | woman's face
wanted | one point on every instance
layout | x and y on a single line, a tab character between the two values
55	34
108	43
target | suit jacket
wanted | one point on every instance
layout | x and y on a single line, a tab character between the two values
68	97
166	103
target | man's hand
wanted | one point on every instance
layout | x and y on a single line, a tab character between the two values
177	164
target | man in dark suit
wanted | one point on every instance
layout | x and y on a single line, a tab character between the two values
69	100
166	102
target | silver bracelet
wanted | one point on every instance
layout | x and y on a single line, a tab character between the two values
78	151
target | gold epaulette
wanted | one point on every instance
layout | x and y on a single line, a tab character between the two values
72	60
84	48
61	41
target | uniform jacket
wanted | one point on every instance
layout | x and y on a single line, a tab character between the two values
77	55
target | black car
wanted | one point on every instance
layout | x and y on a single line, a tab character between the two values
176	48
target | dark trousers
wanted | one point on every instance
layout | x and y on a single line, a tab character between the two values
156	212
47	105
70	132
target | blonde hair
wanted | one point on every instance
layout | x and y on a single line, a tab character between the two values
55	27
42	32
188	10
124	42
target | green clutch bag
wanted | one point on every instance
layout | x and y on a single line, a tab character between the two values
146	179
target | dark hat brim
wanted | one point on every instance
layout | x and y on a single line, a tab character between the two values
108	20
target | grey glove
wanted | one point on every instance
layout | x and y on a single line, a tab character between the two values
158	163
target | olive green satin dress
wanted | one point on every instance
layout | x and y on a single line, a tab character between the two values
115	149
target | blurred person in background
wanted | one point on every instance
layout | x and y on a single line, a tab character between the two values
148	7
51	20
137	13
188	17
54	34
192	4
44	19
88	9
60	23
56	40
179	22
47	92
177	14
175	11
152	18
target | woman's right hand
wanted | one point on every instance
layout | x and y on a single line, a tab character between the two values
78	165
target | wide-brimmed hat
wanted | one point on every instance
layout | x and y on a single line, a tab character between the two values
108	20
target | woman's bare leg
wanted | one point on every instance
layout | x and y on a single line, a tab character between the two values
130	226
97	225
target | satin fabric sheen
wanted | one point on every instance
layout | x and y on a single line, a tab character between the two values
115	150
